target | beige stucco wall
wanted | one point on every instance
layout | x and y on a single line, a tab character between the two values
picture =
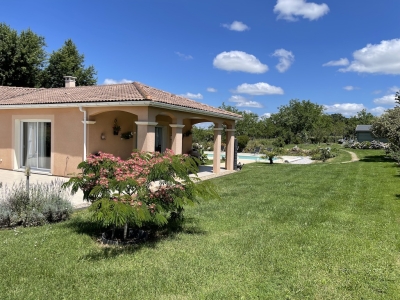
5	140
66	137
112	143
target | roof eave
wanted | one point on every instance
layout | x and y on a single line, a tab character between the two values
122	103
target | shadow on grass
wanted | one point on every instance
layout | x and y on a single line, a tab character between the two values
376	158
82	225
398	196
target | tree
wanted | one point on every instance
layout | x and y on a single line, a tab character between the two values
22	57
388	126
67	61
248	125
149	188
364	118
298	118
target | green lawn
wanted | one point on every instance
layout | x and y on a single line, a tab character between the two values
319	231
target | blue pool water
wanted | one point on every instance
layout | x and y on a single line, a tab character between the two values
242	157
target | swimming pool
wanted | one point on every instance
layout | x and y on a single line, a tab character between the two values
249	157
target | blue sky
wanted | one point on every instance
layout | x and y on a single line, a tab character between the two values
255	55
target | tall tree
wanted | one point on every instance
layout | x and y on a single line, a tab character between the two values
388	126
22	57
248	125
298	118
67	61
365	118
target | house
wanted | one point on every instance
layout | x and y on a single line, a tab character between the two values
53	130
364	133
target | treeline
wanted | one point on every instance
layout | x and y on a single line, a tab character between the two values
24	61
295	123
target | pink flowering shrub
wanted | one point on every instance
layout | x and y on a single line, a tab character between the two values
147	188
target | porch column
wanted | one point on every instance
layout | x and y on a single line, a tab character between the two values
176	146
146	137
217	150
230	148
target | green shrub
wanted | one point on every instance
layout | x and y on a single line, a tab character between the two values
324	154
45	202
279	142
242	142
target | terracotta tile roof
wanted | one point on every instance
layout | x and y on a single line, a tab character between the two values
101	93
9	92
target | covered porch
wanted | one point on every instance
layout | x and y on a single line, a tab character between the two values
119	130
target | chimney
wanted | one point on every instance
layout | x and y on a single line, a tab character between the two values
69	81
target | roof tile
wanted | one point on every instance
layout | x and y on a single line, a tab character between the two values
101	93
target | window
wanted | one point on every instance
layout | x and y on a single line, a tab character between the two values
36	145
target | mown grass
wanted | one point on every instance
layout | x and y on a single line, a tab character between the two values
319	231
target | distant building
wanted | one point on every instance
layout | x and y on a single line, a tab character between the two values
363	133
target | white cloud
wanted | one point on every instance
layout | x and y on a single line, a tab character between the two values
260	88
192	96
394	89
113	81
243	102
236	26
211	90
184	56
346	109
386	100
286	58
266	115
335	63
239	61
291	9
376	92
383	58
350	88
377	111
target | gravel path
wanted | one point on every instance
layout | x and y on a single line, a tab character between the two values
354	157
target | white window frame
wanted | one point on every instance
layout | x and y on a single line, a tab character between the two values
17	140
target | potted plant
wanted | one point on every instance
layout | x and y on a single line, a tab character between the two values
116	127
126	135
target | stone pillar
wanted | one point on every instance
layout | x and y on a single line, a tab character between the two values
146	136
217	150
230	144
176	145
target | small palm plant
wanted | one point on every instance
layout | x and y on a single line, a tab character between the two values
269	154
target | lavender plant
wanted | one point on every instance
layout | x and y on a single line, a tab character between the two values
45	202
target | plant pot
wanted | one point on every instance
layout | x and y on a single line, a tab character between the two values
116	132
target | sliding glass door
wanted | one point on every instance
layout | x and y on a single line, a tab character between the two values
36	145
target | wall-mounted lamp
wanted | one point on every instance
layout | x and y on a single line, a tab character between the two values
103	136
